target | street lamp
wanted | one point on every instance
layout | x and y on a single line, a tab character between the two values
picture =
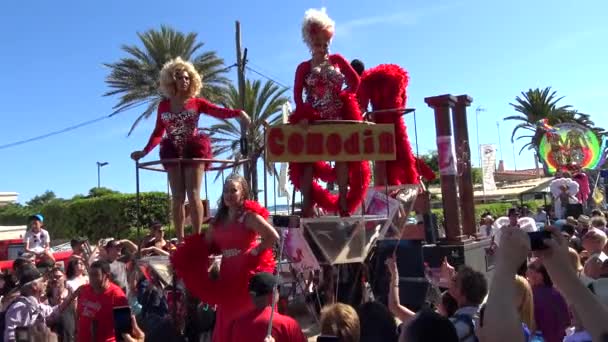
99	166
483	186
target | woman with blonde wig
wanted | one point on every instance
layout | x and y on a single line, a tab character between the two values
177	133
330	85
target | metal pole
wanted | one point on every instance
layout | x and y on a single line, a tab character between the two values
499	140
138	206
98	175
514	161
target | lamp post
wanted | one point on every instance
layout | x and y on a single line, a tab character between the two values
99	166
477	110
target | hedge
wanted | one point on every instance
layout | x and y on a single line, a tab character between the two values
112	215
495	209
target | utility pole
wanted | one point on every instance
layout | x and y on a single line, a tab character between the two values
499	140
99	166
240	63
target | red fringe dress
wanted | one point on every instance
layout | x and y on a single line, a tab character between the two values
234	241
182	138
325	100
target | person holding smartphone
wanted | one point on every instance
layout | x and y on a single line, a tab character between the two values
96	303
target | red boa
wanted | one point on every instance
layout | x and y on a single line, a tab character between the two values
359	173
385	87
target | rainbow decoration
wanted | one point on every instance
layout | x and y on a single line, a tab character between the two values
569	144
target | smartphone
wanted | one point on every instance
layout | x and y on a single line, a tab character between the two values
122	322
326	338
286	221
536	239
22	334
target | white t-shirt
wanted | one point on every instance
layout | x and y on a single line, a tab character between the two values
37	241
74	284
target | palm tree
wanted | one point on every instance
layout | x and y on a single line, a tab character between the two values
535	105
135	78
263	102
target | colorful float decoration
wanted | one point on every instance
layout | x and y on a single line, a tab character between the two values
568	144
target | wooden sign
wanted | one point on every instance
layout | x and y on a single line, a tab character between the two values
330	142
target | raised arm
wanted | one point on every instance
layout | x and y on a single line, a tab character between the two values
157	134
352	78
209	108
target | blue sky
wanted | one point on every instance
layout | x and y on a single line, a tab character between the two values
53	77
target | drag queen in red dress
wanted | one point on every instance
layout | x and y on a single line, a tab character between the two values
323	78
177	120
233	234
385	88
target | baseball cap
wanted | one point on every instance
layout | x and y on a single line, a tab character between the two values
29	273
37	217
262	284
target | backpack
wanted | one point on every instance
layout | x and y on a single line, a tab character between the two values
468	320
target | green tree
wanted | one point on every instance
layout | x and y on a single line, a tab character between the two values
99	192
40	200
263	102
535	105
135	77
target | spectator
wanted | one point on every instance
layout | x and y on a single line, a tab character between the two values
525	304
156	243
64	325
27	309
575	261
38	241
594	242
596	213
583	225
429	326
253	326
76	274
599	222
541	215
96	303
170	327
377	323
78	250
119	268
573	240
340	320
486	224
469	288
550	309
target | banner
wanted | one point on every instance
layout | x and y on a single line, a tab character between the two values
333	141
488	166
297	250
282	190
447	155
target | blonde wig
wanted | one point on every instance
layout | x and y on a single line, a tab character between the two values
341	320
168	77
317	22
525	304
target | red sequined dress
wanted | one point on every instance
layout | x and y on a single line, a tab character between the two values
327	100
234	241
182	138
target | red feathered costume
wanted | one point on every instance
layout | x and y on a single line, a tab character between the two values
325	100
385	87
234	241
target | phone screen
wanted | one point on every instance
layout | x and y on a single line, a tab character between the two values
122	322
325	338
536	239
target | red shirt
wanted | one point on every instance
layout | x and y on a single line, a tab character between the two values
253	326
95	316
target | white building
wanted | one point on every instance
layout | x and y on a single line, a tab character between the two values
8	198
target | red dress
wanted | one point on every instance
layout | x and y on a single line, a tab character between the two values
182	138
326	100
229	292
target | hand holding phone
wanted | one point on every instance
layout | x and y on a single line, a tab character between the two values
122	322
537	239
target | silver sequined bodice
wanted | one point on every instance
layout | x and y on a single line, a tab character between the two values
323	86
